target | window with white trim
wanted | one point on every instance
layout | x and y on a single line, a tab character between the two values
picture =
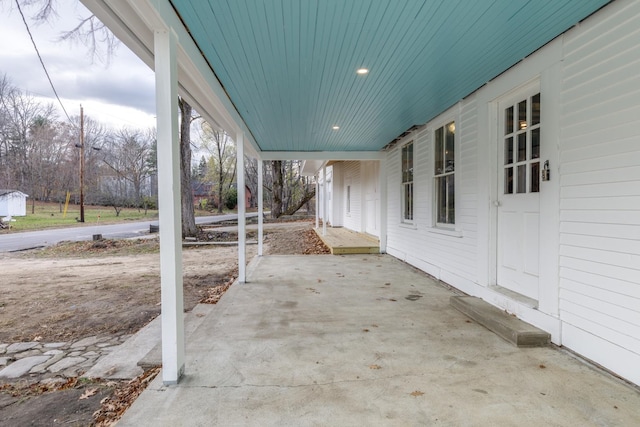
444	175
407	182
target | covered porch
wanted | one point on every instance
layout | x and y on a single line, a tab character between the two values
368	340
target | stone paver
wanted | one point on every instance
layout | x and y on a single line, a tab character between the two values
48	361
86	342
22	366
21	346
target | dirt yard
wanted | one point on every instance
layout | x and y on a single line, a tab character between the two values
76	290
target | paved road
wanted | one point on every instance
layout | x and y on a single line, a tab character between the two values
20	241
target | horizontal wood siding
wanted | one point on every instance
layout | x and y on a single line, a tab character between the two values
600	182
352	174
450	254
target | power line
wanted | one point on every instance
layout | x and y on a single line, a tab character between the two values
41	61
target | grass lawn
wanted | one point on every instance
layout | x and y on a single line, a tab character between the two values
50	215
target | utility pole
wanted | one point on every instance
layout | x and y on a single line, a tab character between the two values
81	164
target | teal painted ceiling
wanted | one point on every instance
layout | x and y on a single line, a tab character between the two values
289	66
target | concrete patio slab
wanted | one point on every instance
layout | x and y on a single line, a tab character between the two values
368	340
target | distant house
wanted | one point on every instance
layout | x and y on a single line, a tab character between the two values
201	191
13	203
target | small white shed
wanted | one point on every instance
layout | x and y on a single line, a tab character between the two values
13	203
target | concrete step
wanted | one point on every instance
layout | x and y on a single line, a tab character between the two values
192	321
512	329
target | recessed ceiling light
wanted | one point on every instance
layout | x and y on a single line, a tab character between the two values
362	71
335	127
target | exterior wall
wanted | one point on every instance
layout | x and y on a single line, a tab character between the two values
449	255
328	181
600	189
13	204
589	228
352	177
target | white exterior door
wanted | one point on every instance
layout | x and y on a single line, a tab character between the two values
372	198
519	175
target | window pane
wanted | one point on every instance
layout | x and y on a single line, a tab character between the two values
508	151
410	162
508	181
451	200
439	152
535	109
522	115
441	202
449	153
404	164
407	163
522	147
522	179
535	177
535	143
408	201
508	120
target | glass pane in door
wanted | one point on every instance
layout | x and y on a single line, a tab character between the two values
508	181
522	179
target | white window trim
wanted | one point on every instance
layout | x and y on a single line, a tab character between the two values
437	227
410	223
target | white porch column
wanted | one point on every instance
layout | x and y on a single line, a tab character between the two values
324	200
260	208
169	206
317	201
242	210
382	174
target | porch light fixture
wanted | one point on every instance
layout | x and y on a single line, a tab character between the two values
452	127
362	71
335	127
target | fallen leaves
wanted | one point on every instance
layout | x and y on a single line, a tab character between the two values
35	389
113	407
215	293
88	393
417	393
374	366
313	244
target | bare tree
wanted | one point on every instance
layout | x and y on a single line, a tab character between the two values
90	32
6	89
188	216
222	160
127	156
290	190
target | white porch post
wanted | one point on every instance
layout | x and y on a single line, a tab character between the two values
169	206
324	200
242	210
317	201
260	208
382	173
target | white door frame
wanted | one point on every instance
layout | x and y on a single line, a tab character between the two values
548	296
520	242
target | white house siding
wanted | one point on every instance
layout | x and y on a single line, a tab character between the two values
13	204
449	255
600	189
589	292
329	182
352	176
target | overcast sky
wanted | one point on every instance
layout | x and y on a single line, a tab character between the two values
120	94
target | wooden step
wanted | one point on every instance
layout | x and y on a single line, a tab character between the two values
512	329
